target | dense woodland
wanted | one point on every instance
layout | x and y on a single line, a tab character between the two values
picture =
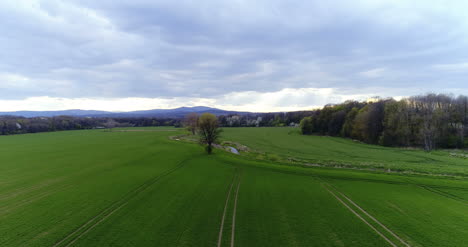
428	121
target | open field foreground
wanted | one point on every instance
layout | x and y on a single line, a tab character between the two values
140	188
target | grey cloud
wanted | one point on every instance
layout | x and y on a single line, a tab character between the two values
211	48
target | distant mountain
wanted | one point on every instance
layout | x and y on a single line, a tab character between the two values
177	112
163	113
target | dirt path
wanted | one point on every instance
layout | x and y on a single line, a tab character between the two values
221	227
106	213
234	213
360	217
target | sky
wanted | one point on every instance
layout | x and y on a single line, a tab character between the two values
263	55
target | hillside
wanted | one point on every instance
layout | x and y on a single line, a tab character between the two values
286	144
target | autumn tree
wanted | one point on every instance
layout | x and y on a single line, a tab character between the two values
208	130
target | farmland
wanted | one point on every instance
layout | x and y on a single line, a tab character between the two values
140	188
283	143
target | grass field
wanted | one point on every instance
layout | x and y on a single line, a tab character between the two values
140	188
282	144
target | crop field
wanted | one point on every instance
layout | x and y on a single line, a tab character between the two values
139	187
285	143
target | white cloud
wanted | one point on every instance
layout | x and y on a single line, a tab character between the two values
373	73
9	80
287	99
19	82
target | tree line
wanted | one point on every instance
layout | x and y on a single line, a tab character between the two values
273	119
429	121
10	125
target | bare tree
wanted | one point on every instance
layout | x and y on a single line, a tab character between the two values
208	130
461	116
110	124
191	122
426	106
434	110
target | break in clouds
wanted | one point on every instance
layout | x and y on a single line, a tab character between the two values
248	55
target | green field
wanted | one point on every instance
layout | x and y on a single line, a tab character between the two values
286	143
140	188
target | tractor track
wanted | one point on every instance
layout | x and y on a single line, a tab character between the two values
360	217
372	217
445	194
221	227
233	188
233	229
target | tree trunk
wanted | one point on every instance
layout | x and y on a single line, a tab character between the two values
209	148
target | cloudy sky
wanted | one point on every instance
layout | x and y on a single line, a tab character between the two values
263	55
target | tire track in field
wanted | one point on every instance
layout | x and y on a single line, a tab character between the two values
220	236
236	179
360	217
106	213
445	194
371	217
336	177
234	212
